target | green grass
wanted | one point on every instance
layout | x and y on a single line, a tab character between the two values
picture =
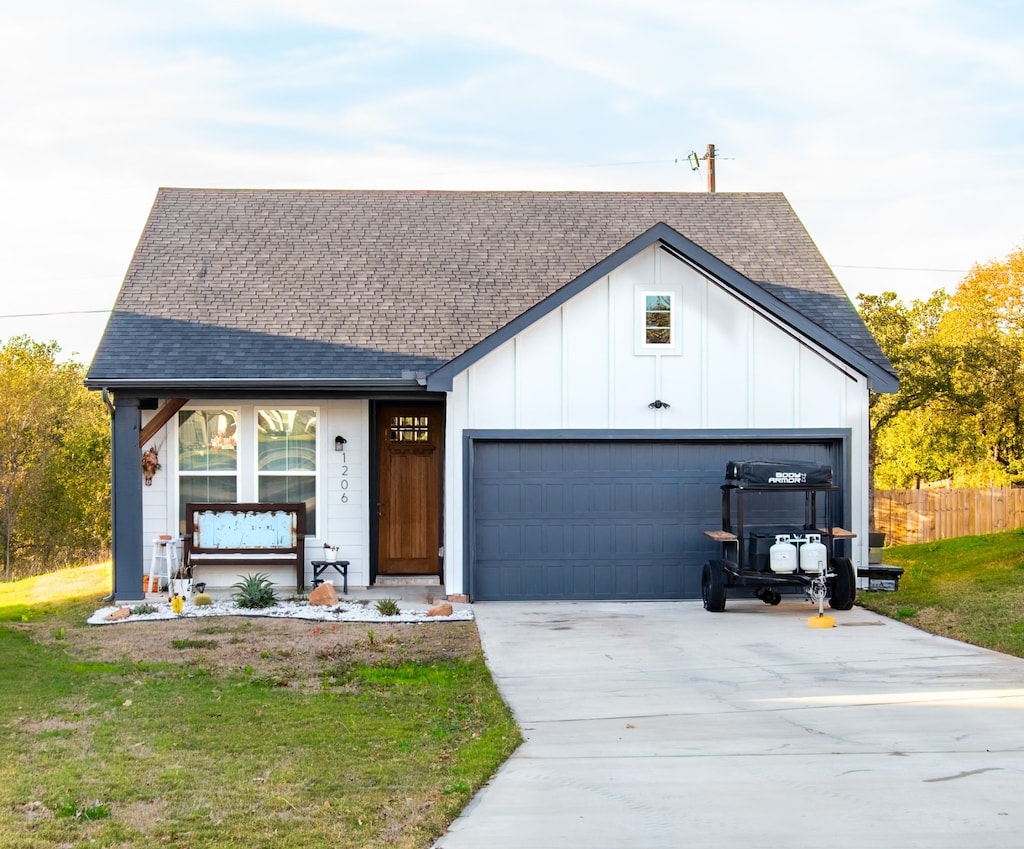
146	755
968	588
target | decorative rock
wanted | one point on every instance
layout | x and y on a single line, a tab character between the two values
442	609
323	596
120	613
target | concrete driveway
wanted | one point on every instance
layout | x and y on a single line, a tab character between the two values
660	725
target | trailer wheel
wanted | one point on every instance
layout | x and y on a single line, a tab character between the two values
844	585
712	586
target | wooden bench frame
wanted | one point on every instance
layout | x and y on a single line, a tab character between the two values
201	551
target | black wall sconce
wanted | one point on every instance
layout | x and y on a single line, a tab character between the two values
339	443
659	405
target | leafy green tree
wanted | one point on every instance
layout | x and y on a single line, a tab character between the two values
54	461
906	336
988	309
959	413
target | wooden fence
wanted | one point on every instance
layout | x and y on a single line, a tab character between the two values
925	515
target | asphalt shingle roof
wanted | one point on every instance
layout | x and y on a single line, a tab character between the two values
250	284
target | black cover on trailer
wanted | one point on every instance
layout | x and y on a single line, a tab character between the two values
778	473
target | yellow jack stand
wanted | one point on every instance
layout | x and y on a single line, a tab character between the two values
821	621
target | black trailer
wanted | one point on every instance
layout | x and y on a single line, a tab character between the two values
765	560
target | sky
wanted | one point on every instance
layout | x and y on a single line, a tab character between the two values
894	128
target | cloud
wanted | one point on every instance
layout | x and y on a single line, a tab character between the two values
893	127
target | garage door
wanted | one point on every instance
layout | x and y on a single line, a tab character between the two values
608	519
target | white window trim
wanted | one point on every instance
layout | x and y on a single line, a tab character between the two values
642	346
254	455
175	445
247	468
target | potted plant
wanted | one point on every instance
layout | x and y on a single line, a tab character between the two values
330	552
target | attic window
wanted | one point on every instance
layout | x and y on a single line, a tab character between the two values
658	318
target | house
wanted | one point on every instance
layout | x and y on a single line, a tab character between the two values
528	395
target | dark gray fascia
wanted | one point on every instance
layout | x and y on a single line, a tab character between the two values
258	384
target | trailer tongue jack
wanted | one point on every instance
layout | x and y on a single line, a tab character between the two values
818	591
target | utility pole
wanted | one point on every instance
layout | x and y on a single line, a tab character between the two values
709	158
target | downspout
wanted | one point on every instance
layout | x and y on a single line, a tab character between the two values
106	400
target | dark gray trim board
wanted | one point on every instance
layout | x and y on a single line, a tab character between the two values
683	435
312	384
840	436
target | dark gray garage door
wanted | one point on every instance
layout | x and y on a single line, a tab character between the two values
607	519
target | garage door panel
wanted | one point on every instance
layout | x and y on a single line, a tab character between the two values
603	519
553	498
488	498
604	581
488	544
650	581
510	538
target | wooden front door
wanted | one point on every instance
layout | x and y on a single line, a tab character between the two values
410	443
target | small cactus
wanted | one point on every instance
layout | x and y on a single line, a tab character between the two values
202	600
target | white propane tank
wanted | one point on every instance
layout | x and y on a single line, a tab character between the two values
782	555
813	555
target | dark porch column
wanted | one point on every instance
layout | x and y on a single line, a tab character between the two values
126	499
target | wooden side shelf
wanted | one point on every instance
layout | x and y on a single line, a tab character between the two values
720	536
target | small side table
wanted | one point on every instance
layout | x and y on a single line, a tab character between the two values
339	566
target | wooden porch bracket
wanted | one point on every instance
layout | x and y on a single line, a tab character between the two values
165	412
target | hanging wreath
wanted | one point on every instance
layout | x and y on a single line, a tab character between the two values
150	464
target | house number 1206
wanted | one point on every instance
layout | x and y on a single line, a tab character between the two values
344	480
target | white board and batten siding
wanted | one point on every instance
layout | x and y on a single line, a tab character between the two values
342	487
581	367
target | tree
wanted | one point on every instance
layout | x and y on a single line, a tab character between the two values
987	313
959	413
54	460
906	336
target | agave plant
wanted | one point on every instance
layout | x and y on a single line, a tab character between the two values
387	607
254	592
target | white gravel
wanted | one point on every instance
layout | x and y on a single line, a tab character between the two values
343	611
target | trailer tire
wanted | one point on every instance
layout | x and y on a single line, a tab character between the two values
843	585
712	586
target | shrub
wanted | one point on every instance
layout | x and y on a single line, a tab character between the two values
255	592
202	600
387	607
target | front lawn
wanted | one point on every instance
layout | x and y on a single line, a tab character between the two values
968	588
372	737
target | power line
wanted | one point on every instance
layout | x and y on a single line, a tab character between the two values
903	268
51	314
